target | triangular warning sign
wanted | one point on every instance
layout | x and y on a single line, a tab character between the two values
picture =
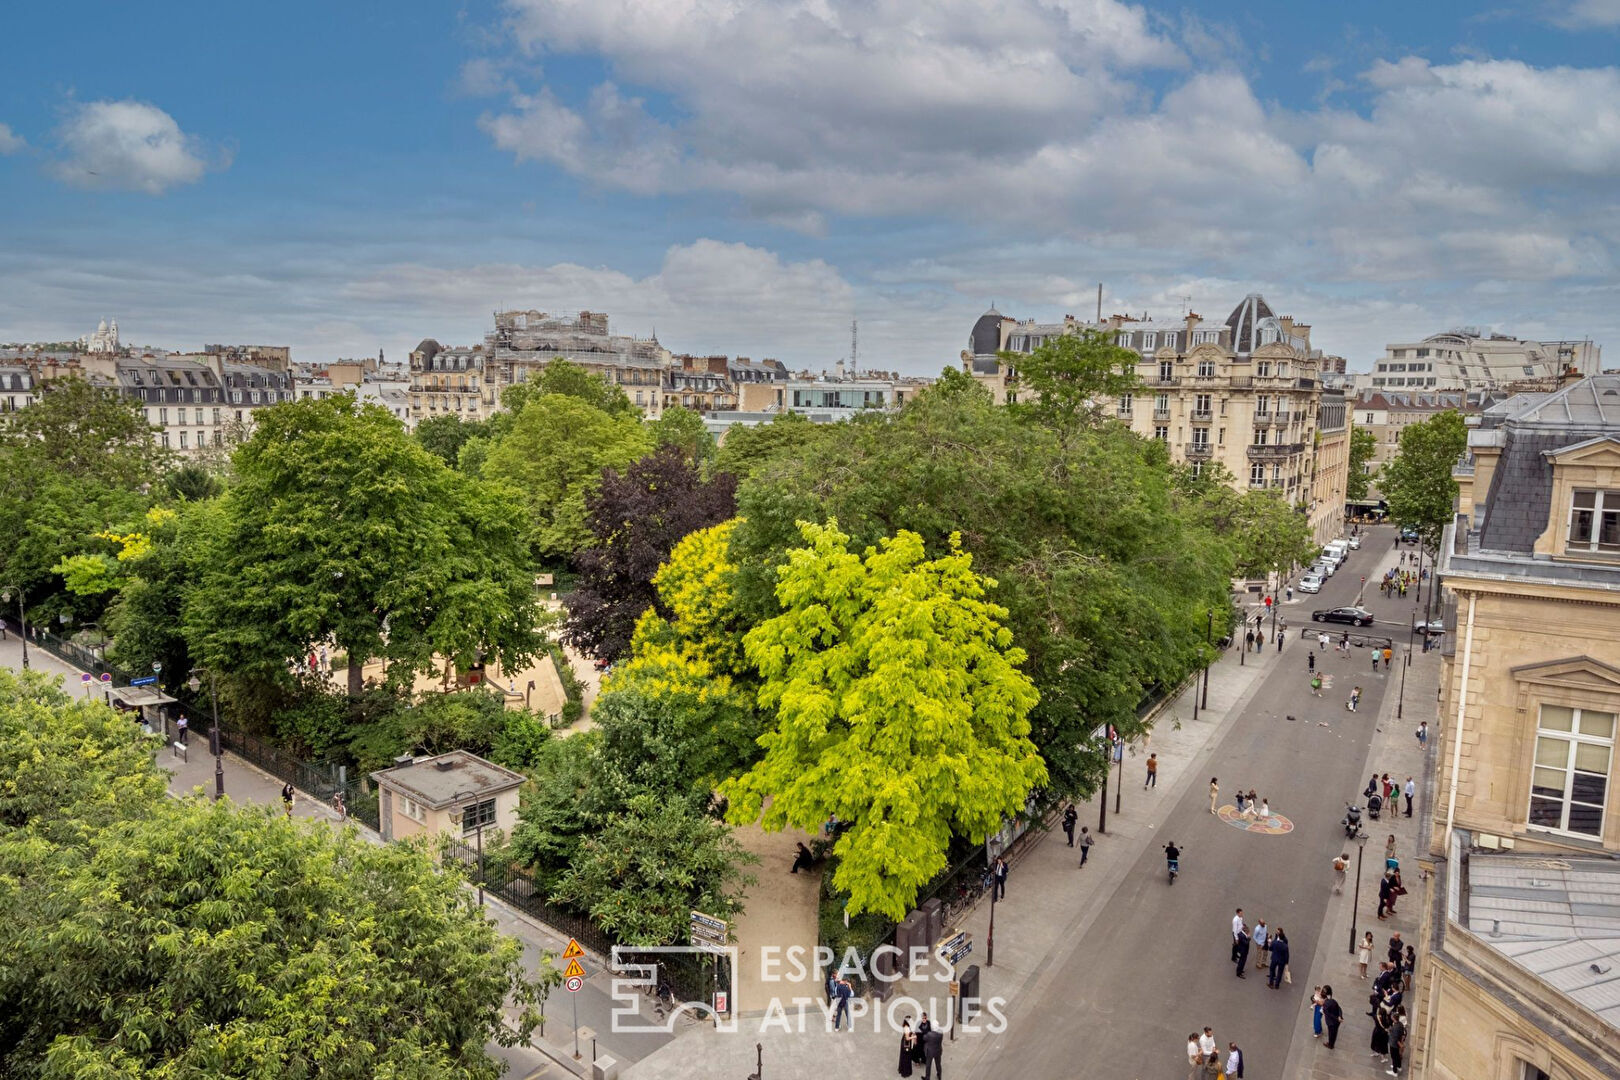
573	950
573	969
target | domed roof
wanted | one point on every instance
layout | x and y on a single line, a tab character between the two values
1245	320
429	348
986	336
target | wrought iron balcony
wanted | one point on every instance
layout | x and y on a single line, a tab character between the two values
1275	452
1197	451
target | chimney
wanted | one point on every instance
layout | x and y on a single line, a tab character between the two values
403	760
838	369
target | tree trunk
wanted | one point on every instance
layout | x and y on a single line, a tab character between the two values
356	663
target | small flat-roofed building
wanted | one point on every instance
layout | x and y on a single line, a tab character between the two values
449	794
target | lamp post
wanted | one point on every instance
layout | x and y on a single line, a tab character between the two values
479	825
214	745
1355	907
1209	640
1400	702
990	938
22	618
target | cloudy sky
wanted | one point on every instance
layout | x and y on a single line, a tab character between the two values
747	176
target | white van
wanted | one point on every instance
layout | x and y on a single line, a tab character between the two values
1340	547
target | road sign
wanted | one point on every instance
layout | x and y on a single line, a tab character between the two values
85	677
952	949
145	680
573	970
721	1000
573	950
709	931
106	676
574	984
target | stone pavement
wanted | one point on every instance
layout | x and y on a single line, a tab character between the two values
1394	750
1048	903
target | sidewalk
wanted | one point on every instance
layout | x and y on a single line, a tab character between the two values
1048	905
1394	750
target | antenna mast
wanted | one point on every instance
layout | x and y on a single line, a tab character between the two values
854	346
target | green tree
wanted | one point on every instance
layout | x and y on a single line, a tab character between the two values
682	428
569	379
748	450
90	433
1417	481
444	436
1263	533
1363	445
341	528
898	706
553	458
1070	375
149	936
652	863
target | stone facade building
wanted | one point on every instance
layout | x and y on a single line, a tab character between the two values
1521	934
1330	466
448	382
1388	413
17	389
1466	359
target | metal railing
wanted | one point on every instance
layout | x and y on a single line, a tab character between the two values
1198	449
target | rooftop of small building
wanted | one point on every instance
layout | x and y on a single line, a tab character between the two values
443	779
1556	917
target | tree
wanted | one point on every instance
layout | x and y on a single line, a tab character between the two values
151	936
747	450
554	456
444	436
898	706
1363	445
90	433
635	519
684	429
341	528
652	863
1417	482
1071	375
569	379
1263	533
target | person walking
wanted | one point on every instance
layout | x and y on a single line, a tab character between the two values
1386	896
1248	641
1344	644
1279	959
1316	1012
180	727
1310	661
1000	873
1152	780
842	992
1070	816
1408	791
1240	951
933	1045
1316	685
1341	867
1261	941
1423	735
1376	654
1332	1015
1322	640
287	798
1214	792
1086	840
1281	635
1388	655
1397	1041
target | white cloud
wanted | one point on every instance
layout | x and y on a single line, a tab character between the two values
129	145
1585	14
10	141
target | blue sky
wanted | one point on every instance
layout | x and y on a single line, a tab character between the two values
747	176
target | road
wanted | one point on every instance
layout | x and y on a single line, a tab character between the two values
1154	965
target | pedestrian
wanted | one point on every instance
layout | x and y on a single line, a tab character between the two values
1364	953
1070	816
1322	640
1237	928
180	729
1344	643
1279	960
1280	636
1195	1057
1316	1012
802	859
1214	793
933	1044
908	1046
1240	951
1332	1015
1248	638
1152	780
1408	791
1388	653
1310	661
1396	951
1341	866
842	992
1234	1061
1408	967
1423	735
1265	809
287	798
1086	840
1206	1044
1386	897
1260	939
1375	655
1380	1033
1397	1041
343	810
1001	878
1316	685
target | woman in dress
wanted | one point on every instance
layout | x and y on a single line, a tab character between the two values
908	1043
1380	1034
1364	953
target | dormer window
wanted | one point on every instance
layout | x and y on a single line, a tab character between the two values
1594	522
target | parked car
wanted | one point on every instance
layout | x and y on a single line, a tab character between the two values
1310	583
1435	626
1409	535
1353	615
1355	543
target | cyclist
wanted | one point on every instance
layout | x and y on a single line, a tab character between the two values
1172	856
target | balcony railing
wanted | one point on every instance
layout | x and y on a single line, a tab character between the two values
1164	380
1197	451
1275	452
1203	414
1161	414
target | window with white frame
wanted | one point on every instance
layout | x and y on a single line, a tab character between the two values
412	809
1150	340
1161	403
1262	368
1257	474
1167	370
1162	433
1206	369
1594	522
1200	436
1126	402
1570	778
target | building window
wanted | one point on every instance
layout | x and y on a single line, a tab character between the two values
1161	433
1262	406
182	440
165	438
217	439
1161	404
1570	780
1126	401
1197	469
1200	436
1206	369
476	814
1167	370
412	809
1257	475
1594	522
1259	436
1150	340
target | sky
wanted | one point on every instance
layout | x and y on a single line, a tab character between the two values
750	176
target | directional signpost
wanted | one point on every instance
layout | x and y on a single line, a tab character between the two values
144	680
709	933
951	950
574	981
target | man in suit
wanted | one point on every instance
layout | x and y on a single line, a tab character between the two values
932	1044
1240	950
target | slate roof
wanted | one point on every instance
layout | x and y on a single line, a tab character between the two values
1556	918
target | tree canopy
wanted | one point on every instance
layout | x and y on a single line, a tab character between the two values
898	705
1363	445
1417	481
1071	376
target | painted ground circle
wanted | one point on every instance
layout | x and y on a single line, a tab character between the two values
1275	825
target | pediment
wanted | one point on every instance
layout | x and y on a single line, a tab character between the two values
1572	673
1603	450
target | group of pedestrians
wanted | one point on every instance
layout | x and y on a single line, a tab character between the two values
921	1046
1206	1058
1270	948
1071	815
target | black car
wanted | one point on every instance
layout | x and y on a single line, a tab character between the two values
1353	615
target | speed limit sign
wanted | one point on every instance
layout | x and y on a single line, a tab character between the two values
574	983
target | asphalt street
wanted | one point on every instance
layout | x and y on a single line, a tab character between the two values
1154	966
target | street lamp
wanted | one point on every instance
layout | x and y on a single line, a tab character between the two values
460	817
213	735
1400	702
22	618
1209	641
1355	907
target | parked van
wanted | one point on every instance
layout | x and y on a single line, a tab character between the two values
1342	547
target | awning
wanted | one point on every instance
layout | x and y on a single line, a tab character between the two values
138	697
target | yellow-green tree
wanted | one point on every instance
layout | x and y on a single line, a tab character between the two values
898	706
